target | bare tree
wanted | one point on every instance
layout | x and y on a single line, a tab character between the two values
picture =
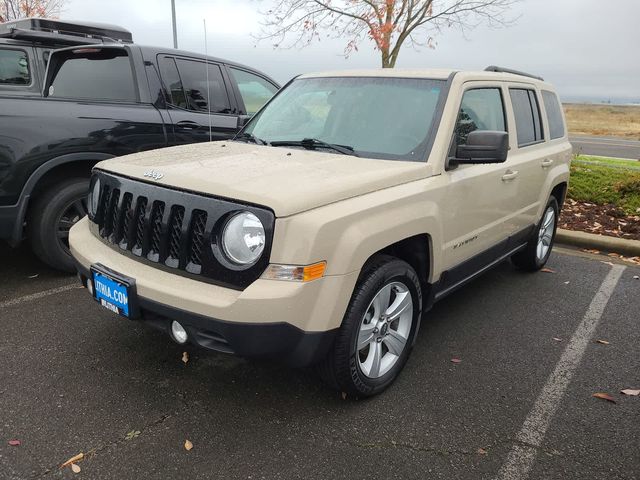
15	9
390	24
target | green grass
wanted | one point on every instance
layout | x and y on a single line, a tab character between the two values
605	181
614	162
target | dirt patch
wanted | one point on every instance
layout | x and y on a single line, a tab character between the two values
599	219
608	120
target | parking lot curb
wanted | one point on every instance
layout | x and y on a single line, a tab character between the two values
598	242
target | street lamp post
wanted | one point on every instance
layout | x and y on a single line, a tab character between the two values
173	21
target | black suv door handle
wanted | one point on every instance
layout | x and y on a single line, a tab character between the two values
187	125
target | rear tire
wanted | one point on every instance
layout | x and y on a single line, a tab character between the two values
377	332
51	217
539	247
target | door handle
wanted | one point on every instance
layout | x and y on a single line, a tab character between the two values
187	125
509	175
547	162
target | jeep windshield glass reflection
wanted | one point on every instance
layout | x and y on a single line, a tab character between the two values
374	117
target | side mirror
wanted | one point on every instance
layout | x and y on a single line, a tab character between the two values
243	120
483	146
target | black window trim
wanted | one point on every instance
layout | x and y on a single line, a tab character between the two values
492	86
233	102
242	108
29	65
529	89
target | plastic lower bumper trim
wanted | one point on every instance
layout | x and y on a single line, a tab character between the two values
277	340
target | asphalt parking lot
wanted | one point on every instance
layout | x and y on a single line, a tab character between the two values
75	378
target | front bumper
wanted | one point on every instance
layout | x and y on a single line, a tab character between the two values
295	322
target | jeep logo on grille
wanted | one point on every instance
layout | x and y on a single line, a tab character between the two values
153	174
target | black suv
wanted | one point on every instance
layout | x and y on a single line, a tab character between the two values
74	94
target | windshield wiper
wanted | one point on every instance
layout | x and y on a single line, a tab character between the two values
313	144
249	137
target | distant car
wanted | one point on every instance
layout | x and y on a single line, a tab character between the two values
356	201
101	97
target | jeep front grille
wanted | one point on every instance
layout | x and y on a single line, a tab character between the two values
174	229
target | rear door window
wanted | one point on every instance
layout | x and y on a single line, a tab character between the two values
481	109
14	67
554	114
194	82
255	90
96	74
527	113
172	82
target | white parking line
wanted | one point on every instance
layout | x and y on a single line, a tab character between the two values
35	296
521	457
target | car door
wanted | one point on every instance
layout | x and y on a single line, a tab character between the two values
479	198
527	156
199	111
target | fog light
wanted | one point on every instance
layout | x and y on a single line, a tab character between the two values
90	286
178	332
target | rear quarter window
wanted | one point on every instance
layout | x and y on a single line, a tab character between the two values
554	114
102	75
14	67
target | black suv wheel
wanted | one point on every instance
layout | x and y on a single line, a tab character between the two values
51	217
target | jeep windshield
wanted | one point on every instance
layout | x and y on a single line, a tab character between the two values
374	117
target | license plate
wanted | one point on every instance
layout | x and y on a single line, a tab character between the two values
113	291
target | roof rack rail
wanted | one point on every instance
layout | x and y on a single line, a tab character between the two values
493	68
63	32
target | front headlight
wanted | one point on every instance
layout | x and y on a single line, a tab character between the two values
243	238
94	195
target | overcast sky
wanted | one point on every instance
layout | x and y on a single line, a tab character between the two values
589	49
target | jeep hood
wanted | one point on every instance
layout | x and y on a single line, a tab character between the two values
287	180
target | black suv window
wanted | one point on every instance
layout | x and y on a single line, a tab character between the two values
255	90
14	67
173	84
527	113
96	74
194	82
481	109
554	114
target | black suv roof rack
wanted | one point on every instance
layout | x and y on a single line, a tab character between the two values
58	32
493	68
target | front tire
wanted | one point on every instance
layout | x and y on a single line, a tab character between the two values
51	217
376	336
538	249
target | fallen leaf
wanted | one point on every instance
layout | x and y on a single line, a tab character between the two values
631	392
591	250
75	468
14	443
34	276
604	396
344	395
188	445
73	459
608	263
132	434
602	342
482	451
548	270
557	339
615	255
567	283
456	360
185	357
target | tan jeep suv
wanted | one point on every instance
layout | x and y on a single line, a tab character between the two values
343	210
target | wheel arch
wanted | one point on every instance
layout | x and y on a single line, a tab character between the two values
559	191
64	166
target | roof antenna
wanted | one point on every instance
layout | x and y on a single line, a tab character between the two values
204	21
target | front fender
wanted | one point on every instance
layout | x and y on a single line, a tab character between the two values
346	234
